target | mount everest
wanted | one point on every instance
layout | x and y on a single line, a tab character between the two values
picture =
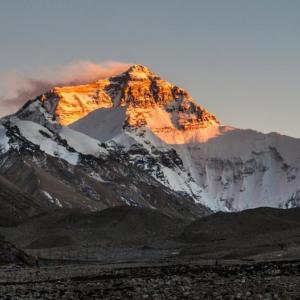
136	139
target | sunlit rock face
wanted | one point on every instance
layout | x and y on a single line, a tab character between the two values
72	103
142	92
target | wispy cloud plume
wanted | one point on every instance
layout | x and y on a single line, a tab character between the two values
16	89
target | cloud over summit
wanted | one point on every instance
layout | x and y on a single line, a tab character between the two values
16	89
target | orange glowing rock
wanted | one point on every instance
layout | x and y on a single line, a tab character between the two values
76	102
138	89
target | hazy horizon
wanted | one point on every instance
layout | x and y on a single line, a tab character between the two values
239	59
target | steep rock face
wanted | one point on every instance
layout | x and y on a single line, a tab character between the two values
139	89
156	127
72	103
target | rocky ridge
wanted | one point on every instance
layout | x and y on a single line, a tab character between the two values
139	89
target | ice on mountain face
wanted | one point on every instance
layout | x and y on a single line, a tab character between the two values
97	177
48	195
245	183
58	203
41	136
108	124
244	169
173	176
102	124
4	145
53	200
105	125
241	158
34	111
179	181
82	143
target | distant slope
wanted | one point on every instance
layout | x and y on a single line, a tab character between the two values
116	227
243	224
261	233
9	254
15	205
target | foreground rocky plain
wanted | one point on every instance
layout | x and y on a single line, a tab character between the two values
188	279
138	253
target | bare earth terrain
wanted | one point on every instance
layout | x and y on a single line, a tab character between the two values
135	253
174	280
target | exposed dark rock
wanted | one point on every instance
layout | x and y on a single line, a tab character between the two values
9	254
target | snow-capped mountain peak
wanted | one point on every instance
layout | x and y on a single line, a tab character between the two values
159	128
144	94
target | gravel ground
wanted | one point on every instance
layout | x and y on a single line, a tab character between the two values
268	280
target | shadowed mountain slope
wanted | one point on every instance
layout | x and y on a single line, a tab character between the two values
16	205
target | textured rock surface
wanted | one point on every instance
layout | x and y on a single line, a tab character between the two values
15	204
260	281
9	254
139	89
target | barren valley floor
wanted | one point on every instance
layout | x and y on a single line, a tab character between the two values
174	280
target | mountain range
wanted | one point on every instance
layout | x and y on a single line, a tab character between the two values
137	140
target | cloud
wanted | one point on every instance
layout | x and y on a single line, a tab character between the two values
16	89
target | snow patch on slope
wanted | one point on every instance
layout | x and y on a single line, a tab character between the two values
53	200
41	136
4	140
82	143
242	169
102	124
105	125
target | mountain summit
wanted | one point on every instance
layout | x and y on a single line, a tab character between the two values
124	138
142	92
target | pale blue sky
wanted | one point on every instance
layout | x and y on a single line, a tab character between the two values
240	59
